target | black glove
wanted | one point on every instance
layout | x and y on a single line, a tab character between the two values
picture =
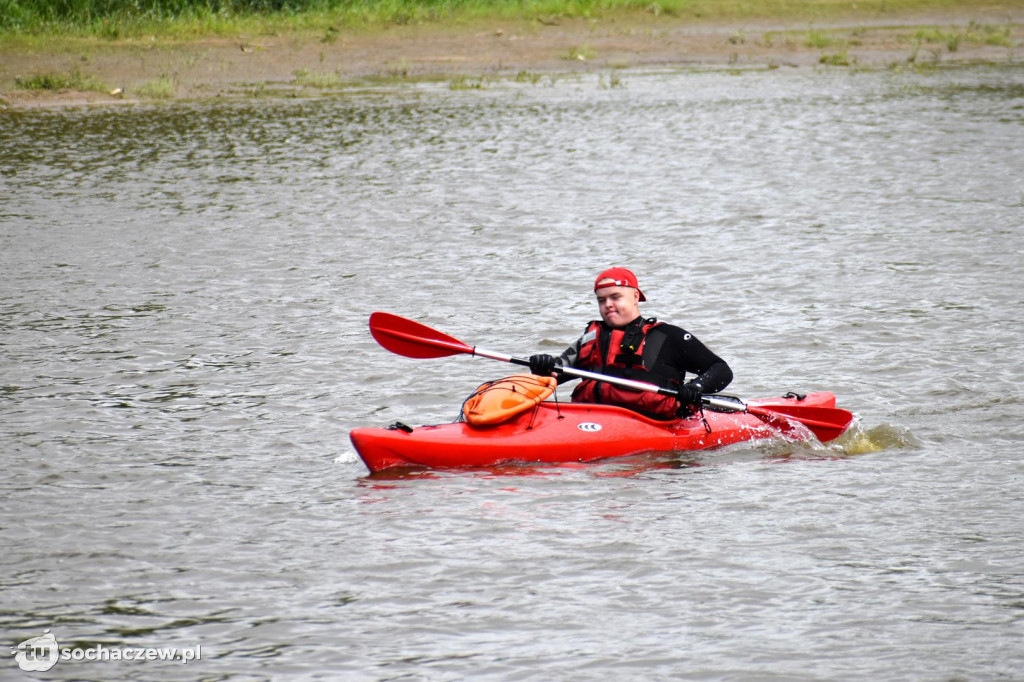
689	394
542	365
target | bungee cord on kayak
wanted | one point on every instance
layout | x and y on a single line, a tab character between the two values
495	402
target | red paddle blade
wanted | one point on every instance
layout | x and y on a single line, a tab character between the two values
826	423
412	339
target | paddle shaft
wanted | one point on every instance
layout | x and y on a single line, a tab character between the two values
617	381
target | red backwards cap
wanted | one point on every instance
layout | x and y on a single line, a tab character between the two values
620	277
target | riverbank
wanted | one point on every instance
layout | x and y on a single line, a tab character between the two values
75	71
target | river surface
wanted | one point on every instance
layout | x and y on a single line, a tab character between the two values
184	349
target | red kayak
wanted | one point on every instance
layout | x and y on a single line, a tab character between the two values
553	433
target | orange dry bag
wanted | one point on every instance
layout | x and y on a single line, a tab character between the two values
498	401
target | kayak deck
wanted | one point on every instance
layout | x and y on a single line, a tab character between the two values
554	433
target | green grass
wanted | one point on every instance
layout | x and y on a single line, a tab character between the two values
998	36
75	80
467	83
322	80
836	59
819	39
162	87
118	19
977	34
530	77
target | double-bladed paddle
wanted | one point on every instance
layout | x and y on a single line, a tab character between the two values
414	340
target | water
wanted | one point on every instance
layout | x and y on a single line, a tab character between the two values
184	350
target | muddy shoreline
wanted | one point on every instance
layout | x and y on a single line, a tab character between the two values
318	64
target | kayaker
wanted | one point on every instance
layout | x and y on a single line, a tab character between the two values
625	344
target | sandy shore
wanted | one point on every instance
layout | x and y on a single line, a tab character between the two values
141	70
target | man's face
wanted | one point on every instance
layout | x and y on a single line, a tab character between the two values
618	305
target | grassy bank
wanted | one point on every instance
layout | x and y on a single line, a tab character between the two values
184	19
77	51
